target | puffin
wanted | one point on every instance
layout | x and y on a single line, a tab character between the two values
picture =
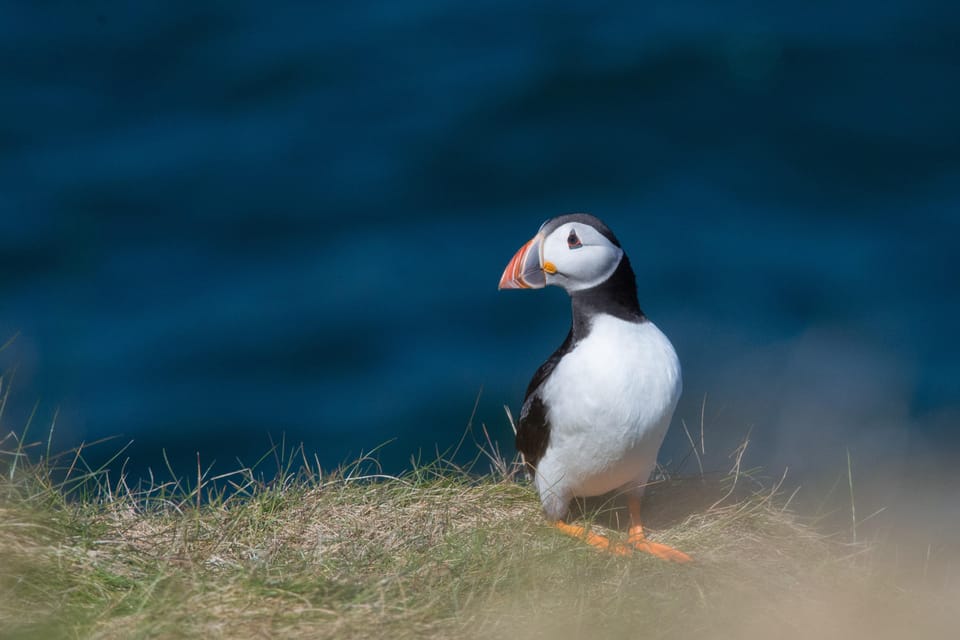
596	412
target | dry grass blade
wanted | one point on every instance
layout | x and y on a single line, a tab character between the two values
435	553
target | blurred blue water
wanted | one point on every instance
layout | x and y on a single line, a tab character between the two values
220	221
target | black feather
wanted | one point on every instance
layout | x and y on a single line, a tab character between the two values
533	429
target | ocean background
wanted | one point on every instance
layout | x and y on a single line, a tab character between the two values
226	224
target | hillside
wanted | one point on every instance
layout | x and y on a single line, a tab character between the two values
436	553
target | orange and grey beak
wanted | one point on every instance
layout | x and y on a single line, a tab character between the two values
525	270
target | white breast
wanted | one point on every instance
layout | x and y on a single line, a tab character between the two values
609	403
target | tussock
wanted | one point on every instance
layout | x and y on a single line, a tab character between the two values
435	553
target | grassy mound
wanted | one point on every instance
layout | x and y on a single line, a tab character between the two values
437	552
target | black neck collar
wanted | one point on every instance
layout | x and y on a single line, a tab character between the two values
615	296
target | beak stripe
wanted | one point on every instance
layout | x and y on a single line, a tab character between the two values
524	270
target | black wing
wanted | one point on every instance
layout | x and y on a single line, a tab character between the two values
533	429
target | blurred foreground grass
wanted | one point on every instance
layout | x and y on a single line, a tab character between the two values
436	553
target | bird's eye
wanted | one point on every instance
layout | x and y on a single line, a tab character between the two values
573	242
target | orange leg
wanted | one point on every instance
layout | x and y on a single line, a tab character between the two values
638	540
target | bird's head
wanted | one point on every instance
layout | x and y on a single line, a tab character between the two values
575	251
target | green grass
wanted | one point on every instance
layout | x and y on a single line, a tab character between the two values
435	553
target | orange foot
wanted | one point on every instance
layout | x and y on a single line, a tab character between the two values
639	541
636	541
593	539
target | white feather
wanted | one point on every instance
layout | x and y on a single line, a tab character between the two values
609	403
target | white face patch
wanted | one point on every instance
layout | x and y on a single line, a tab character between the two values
583	257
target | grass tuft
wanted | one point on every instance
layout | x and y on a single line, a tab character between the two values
436	552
